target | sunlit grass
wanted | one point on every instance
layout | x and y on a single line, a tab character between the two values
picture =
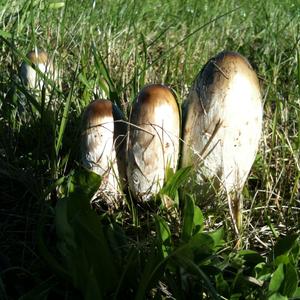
111	49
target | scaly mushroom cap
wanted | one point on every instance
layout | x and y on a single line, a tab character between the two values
153	140
103	147
223	124
30	77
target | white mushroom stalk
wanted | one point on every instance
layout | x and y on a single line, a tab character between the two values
153	140
222	127
103	149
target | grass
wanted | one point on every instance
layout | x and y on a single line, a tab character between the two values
111	49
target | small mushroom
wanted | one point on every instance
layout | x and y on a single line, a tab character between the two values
153	140
222	127
103	149
43	63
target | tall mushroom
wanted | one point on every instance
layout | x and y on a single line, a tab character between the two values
222	127
153	140
103	149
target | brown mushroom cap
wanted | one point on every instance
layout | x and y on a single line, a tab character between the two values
38	57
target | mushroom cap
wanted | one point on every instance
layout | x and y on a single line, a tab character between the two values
223	121
38	57
153	140
103	146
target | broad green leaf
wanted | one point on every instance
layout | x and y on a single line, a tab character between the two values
83	184
217	236
198	248
290	281
118	241
82	241
277	296
198	221
277	279
175	181
295	252
90	239
164	236
297	293
262	271
67	244
52	261
285	244
202	242
282	259
188	218
236	296
62	223
251	257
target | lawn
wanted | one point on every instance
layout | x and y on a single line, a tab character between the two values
52	244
